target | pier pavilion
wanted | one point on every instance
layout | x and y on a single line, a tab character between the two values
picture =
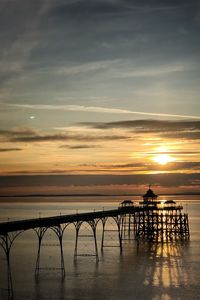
151	220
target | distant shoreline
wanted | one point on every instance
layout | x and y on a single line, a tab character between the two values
84	198
95	195
92	195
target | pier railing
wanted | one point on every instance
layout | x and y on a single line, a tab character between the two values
147	223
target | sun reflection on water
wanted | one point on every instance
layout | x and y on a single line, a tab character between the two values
165	268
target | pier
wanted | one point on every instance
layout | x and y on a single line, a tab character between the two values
150	221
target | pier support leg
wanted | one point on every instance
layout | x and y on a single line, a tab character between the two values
76	241
118	231
95	242
40	233
127	226
119	235
102	238
93	226
59	230
6	243
62	263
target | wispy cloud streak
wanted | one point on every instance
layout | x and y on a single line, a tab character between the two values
148	125
97	109
9	149
26	135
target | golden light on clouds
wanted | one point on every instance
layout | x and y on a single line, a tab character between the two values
161	155
163	159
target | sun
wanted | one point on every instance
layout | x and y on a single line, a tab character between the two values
162	159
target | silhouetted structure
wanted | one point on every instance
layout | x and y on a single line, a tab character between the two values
126	203
151	220
161	221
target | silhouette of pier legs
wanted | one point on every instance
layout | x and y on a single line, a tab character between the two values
40	234
59	232
128	226
92	224
6	243
147	223
155	226
9	279
111	230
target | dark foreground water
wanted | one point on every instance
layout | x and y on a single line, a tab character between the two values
168	271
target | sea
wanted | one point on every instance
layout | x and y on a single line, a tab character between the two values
160	271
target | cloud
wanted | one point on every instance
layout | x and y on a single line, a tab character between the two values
96	109
26	135
127	167
175	152
183	135
94	66
124	68
65	137
10	149
188	130
80	146
20	36
166	180
154	70
187	165
105	8
88	8
38	54
17	132
111	131
147	125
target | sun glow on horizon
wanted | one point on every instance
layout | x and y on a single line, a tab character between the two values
163	159
162	155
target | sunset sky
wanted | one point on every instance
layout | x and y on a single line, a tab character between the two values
99	95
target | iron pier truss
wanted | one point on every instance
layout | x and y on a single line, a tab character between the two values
150	220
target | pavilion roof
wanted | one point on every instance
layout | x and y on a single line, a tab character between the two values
150	194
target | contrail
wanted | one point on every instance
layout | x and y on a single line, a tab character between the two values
97	109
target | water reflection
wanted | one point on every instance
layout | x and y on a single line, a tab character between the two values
164	268
143	271
7	290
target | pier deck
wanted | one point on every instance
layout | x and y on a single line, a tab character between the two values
20	225
150	221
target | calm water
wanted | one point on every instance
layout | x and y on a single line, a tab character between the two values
145	272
